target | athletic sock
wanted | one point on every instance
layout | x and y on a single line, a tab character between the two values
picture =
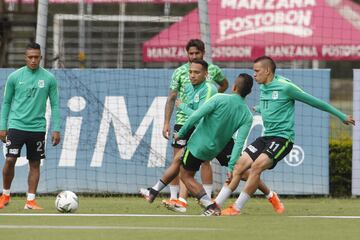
174	191
270	195
6	192
30	196
204	199
223	195
160	185
208	189
242	199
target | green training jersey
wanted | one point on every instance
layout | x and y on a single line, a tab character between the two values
24	102
180	79
222	116
277	107
196	96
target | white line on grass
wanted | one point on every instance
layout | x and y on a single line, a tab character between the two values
106	228
334	217
92	215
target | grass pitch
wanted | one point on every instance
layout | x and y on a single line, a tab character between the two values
134	218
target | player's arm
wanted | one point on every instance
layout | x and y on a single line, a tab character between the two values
242	134
223	85
169	108
6	105
55	111
196	116
221	80
298	94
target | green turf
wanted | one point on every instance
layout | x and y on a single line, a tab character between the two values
257	221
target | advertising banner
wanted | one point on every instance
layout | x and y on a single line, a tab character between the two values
111	129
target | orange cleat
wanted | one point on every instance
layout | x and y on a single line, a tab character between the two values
230	211
175	205
276	203
4	200
31	205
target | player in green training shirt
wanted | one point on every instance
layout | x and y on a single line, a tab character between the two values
23	120
277	103
217	121
195	49
198	92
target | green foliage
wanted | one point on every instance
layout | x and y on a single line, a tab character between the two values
340	167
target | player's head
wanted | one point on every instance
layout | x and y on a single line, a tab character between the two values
198	71
264	69
32	55
243	84
195	49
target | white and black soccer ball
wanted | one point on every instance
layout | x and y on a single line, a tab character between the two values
66	202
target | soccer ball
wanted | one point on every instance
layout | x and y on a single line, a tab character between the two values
66	202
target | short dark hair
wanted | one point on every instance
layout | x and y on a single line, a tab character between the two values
202	62
195	43
268	60
244	87
33	45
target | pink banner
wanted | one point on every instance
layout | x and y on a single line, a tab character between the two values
283	29
106	1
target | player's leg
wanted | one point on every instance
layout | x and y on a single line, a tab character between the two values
272	196
275	149
241	166
14	142
170	173
174	184
190	165
206	174
35	145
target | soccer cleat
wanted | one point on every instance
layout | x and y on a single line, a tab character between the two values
230	211
212	210
148	193
4	200
31	205
168	202
276	203
175	205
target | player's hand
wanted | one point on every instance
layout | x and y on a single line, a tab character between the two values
178	102
3	135
166	131
349	120
55	138
176	136
229	177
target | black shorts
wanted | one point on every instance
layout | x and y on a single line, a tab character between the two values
275	147
225	155
34	141
181	142
192	163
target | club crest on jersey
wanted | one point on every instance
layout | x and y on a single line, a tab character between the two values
275	95
196	98
41	83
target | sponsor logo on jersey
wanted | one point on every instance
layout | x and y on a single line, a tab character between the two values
275	95
196	98
41	83
252	148
13	150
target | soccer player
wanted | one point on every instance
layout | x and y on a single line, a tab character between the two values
221	117
198	92
23	121
277	102
195	51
